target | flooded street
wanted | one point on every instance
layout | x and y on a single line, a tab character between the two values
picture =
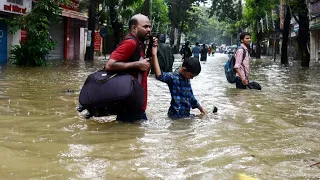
268	134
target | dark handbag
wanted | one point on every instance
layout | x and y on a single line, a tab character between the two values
111	94
254	85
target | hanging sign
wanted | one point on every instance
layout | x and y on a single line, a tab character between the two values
97	41
23	35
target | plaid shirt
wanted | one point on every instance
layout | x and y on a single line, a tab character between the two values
181	95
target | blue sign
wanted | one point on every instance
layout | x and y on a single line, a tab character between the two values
104	32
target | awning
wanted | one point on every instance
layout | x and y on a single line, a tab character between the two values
315	26
74	14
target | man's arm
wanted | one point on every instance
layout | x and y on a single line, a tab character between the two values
243	78
119	58
238	64
113	65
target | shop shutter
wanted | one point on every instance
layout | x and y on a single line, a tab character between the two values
57	34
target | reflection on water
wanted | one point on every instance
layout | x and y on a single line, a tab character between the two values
268	134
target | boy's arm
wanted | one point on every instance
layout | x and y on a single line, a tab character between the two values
156	67
202	110
194	104
164	77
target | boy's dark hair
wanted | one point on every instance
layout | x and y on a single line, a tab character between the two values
132	22
197	43
192	65
244	34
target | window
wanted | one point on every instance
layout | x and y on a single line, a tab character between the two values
16	1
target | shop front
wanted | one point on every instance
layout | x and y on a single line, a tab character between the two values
69	33
315	31
8	10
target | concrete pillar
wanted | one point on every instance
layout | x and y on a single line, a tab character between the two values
82	43
314	45
13	39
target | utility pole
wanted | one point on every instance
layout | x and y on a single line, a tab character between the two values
89	56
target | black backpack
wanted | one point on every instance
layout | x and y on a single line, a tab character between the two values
105	93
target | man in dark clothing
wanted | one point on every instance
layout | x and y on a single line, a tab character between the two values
165	56
204	52
185	51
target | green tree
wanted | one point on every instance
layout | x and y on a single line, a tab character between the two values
178	14
160	18
254	12
38	44
117	26
204	29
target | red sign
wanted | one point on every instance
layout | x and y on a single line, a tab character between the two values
15	8
97	41
74	5
23	35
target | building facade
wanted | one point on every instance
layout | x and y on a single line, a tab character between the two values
69	34
8	10
314	9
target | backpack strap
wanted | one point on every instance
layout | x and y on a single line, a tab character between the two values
136	56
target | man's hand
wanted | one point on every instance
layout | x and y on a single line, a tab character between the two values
143	65
245	82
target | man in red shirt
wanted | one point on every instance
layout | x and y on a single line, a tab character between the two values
140	30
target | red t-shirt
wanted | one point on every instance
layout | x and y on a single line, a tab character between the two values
123	53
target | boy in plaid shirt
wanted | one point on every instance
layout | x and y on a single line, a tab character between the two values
182	98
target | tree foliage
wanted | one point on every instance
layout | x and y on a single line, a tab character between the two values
205	29
226	10
38	43
179	15
159	14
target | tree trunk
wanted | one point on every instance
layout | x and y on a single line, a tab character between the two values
258	46
173	24
285	38
89	56
180	33
146	8
116	26
303	35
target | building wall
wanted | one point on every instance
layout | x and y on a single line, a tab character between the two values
13	39
10	10
314	9
72	37
315	45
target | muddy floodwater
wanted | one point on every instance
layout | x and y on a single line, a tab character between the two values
268	134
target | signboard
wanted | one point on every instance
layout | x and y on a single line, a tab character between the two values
97	41
14	8
23	35
73	6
